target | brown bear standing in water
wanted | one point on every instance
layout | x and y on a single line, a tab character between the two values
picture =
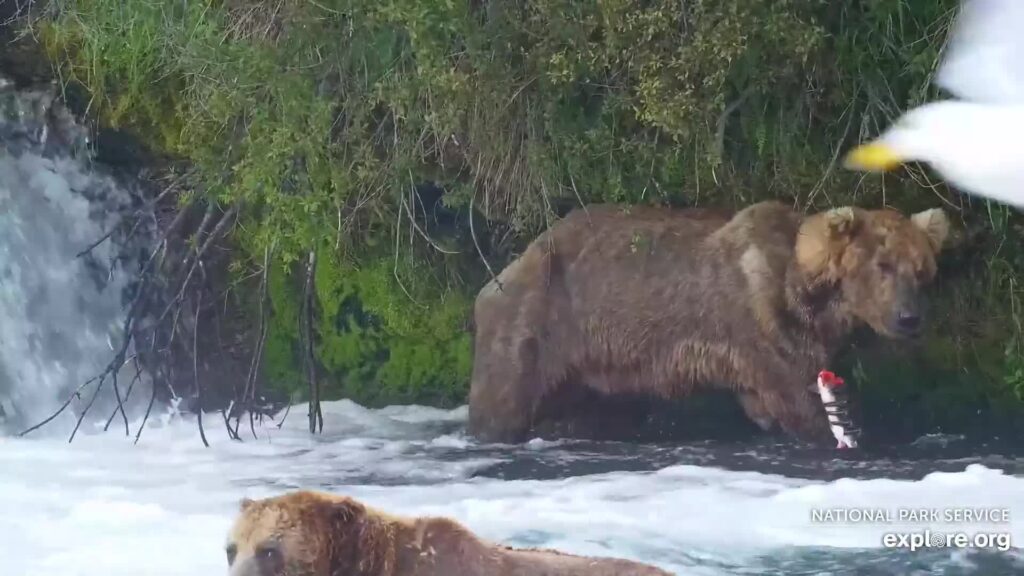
615	302
317	534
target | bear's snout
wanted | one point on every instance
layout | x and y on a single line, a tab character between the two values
907	319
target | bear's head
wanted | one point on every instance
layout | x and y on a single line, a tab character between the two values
878	261
306	533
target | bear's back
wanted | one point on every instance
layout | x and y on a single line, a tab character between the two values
651	263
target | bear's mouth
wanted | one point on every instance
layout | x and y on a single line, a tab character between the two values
898	331
908	332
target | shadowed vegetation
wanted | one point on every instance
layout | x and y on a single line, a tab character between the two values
409	144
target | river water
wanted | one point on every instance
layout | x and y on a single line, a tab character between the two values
103	505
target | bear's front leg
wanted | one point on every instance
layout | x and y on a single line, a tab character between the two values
798	412
502	412
755	409
806	417
504	393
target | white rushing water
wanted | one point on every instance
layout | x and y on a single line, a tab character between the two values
163	507
60	313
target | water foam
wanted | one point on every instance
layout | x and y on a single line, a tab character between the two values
164	506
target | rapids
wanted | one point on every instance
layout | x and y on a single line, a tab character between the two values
163	507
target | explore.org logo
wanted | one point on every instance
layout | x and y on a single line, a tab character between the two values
929	539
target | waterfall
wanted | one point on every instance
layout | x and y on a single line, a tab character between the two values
61	312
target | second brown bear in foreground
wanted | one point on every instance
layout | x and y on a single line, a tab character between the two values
308	533
615	302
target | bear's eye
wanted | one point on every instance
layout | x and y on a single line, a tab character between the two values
267	553
886	267
231	551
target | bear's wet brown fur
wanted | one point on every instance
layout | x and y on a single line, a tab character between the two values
641	301
306	533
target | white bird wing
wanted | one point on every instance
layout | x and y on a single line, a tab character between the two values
984	59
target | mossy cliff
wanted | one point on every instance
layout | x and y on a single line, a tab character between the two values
408	144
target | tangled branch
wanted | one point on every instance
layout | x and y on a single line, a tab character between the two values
172	279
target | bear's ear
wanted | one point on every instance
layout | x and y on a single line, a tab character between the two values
245	503
935	225
365	536
344	512
842	222
822	239
361	538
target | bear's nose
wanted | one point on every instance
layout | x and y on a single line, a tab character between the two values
909	321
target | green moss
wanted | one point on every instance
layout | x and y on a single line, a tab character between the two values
371	345
321	118
281	350
906	392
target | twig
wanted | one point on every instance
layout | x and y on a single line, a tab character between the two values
75	394
117	395
472	233
249	393
412	220
195	368
137	214
398	279
832	163
264	329
316	416
193	261
121	255
287	409
92	246
135	379
580	199
227	420
145	418
81	416
152	397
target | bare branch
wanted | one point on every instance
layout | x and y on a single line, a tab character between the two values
472	233
81	416
249	393
412	221
145	418
148	206
316	417
195	369
76	394
117	394
194	261
131	386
